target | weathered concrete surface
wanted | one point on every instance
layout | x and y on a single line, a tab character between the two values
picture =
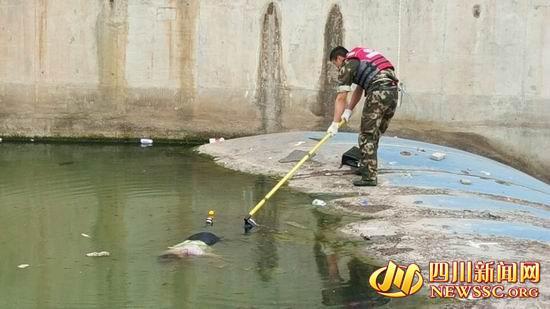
421	211
179	68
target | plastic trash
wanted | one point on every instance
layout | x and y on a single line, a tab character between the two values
146	141
102	253
0	139
317	202
85	235
364	202
216	140
23	266
438	156
486	173
465	182
406	153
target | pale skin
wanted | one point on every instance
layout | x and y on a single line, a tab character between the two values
340	103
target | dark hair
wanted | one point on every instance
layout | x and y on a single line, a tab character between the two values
337	51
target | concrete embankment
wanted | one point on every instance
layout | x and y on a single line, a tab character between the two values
464	207
177	69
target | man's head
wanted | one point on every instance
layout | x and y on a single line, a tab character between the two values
338	55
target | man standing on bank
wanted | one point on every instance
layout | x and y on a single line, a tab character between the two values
373	74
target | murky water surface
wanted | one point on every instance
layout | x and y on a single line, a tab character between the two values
134	202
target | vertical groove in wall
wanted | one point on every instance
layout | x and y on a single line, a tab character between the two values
186	27
42	35
112	39
271	91
333	36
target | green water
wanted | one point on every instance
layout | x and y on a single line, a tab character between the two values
134	202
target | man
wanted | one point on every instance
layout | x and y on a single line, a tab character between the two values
374	75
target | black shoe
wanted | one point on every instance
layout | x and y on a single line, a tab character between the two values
365	182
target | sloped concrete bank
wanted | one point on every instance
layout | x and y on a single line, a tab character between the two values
462	208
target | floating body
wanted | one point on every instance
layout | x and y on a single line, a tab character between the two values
195	245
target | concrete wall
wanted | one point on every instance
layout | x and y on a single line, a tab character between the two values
180	68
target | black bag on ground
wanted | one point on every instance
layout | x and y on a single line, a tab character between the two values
351	157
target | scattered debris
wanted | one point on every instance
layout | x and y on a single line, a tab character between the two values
23	266
406	153
216	140
295	224
488	215
85	235
299	143
146	142
438	156
364	202
479	244
465	182
418	202
317	202
486	173
421	149
365	237
502	182
102	253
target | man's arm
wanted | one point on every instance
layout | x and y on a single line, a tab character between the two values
339	105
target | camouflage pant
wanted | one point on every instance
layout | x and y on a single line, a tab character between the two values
377	112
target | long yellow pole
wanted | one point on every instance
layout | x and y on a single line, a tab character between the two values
292	171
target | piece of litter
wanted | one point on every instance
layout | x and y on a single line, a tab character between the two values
216	140
85	235
465	182
438	156
406	153
102	253
32	139
418	202
23	266
486	173
299	143
328	174
364	202
146	141
317	202
365	237
392	163
269	158
420	149
0	139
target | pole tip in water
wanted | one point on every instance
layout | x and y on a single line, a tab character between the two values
249	223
